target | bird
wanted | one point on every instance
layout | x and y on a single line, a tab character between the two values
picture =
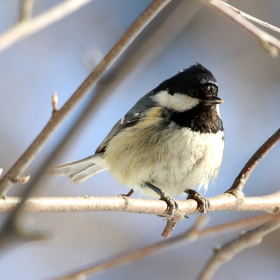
170	142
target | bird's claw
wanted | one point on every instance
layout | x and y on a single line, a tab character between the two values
202	202
172	205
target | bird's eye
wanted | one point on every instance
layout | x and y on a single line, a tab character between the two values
193	93
214	90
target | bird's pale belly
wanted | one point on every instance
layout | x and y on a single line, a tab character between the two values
172	160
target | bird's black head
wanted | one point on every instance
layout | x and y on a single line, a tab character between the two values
190	87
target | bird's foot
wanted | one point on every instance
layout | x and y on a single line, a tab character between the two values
202	202
172	205
129	194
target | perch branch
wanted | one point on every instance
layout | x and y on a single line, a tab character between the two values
225	202
268	42
228	251
153	9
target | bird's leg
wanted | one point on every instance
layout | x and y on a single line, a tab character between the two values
202	202
171	203
129	194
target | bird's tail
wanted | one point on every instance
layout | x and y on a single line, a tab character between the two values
80	170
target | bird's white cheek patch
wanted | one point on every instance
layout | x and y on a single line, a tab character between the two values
218	110
177	101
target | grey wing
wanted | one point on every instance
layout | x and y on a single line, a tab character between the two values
116	128
133	116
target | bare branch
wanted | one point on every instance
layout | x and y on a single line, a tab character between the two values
153	9
129	257
268	42
157	248
26	10
231	249
225	202
26	28
170	225
247	170
242	14
12	235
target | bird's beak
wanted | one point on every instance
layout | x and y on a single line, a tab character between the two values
212	100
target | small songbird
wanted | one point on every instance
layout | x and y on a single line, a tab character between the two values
169	142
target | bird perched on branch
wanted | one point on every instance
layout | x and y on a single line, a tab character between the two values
168	143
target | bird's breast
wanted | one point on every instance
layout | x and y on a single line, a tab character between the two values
170	158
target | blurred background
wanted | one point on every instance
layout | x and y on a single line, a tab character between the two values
61	56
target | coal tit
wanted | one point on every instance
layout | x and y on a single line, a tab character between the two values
169	142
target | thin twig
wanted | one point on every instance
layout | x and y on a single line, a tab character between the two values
26	28
268	42
225	202
26	10
249	167
242	14
128	257
153	9
170	225
157	248
228	251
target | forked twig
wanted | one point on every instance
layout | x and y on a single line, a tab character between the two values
268	42
249	167
242	14
228	251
